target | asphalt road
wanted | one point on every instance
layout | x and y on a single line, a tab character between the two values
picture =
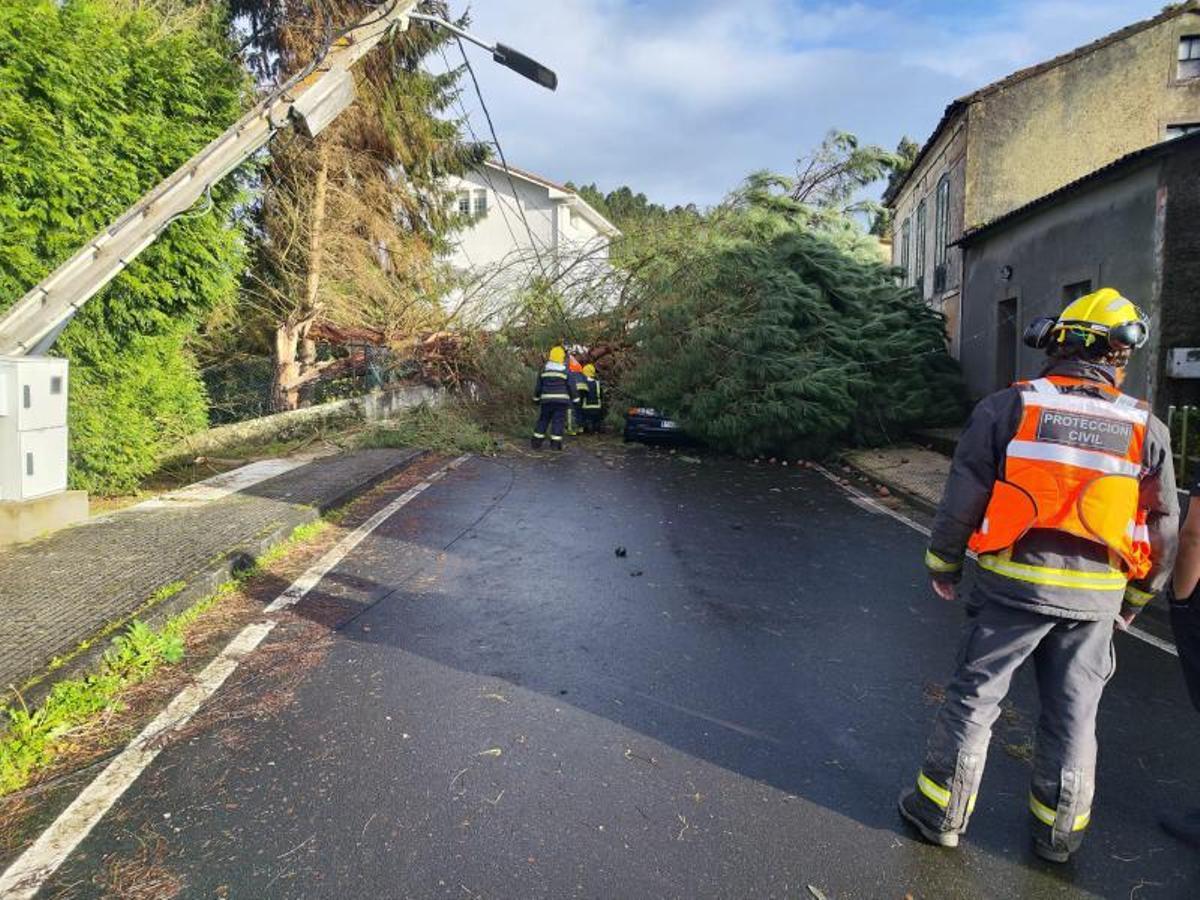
511	710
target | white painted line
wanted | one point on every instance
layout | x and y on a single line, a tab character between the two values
862	499
1164	646
321	568
224	484
873	503
25	877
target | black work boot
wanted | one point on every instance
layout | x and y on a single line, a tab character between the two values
535	444
1052	848
910	808
1184	826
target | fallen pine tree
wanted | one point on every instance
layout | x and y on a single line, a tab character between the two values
774	327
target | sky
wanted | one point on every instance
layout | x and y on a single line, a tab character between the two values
681	99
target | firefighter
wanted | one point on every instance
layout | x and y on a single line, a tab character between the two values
578	387
593	401
1065	488
1185	623
552	393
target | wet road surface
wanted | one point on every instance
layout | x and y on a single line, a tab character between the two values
511	710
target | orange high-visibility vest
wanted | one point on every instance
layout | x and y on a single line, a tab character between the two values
1074	465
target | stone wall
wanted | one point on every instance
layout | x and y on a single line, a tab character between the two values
1032	137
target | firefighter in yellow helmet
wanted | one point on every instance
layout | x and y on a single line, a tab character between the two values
1065	488
593	400
552	393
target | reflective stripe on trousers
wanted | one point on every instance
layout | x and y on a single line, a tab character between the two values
1048	816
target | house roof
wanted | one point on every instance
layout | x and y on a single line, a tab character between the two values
572	197
959	105
1118	166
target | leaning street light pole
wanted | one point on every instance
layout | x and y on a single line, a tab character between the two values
309	101
33	440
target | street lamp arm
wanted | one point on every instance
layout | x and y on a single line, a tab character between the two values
506	56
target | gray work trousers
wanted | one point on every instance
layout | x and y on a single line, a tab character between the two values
1073	661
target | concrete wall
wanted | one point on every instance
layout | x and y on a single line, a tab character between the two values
1035	136
372	407
1104	233
1180	290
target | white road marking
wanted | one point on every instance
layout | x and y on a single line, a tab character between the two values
220	486
25	877
1164	646
861	499
873	503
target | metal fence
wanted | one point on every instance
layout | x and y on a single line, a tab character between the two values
240	389
1184	423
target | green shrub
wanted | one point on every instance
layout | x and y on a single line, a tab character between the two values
100	100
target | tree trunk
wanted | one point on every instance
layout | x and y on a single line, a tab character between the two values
294	352
284	394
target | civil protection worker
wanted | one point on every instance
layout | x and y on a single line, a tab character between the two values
593	400
1065	488
552	393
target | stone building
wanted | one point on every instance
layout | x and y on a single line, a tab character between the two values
1040	128
1133	225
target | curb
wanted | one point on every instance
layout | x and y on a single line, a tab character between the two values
202	583
897	490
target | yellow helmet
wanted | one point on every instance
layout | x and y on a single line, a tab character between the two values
1102	315
558	355
589	370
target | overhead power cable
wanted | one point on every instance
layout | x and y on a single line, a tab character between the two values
500	150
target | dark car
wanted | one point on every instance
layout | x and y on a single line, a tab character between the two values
651	426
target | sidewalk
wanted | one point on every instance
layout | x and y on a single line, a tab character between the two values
66	588
912	472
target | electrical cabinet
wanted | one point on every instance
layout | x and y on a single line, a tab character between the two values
1184	362
33	427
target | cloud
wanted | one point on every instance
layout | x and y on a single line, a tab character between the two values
682	98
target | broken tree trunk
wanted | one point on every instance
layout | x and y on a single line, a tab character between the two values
295	354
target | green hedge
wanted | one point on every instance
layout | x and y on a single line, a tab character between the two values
99	100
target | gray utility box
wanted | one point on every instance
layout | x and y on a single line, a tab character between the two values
1184	362
33	427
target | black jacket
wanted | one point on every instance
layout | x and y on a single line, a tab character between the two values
553	384
979	463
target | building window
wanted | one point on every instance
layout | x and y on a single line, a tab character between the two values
1189	56
481	203
905	246
1073	292
1174	131
941	221
919	248
464	203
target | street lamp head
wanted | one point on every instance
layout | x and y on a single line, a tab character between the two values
506	56
524	65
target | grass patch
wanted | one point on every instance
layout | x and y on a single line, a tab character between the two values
446	428
34	738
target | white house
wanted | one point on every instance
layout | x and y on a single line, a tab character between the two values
524	227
